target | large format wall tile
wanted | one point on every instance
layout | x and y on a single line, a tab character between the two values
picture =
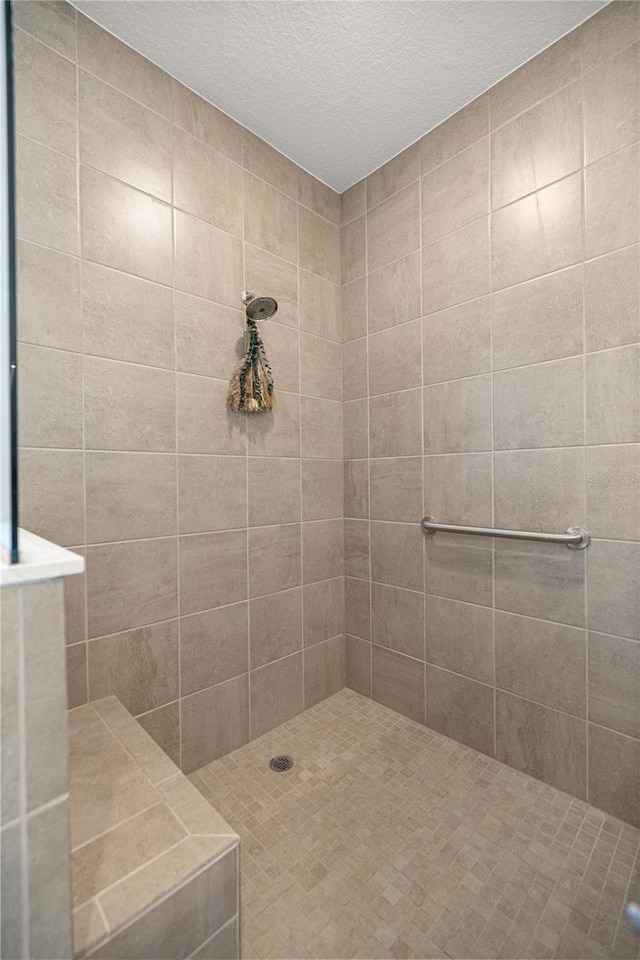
358	675
130	496
613	491
128	407
275	626
457	416
213	570
613	595
269	219
460	708
52	494
126	318
456	267
396	554
541	76
47	196
394	359
395	425
214	721
45	94
612	408
460	568
49	297
324	670
614	773
123	138
124	228
538	234
50	400
208	260
204	121
398	682
540	580
203	422
612	104
541	661
456	193
276	693
393	176
460	637
396	488
535	489
323	610
538	320
357	548
214	646
458	488
612	299
614	682
454	134
206	183
119	65
131	584
612	202
393	227
318	244
140	666
274	558
542	742
538	147
393	293
457	342
321	489
397	619
212	493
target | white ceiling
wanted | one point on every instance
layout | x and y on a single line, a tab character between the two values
339	86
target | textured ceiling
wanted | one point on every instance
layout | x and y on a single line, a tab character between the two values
339	86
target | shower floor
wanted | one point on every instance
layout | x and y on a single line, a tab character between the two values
389	840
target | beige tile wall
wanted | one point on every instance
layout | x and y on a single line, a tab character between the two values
491	361
35	888
213	600
491	310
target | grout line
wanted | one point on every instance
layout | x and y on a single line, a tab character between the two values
368	429
175	429
421	334
583	228
85	577
22	773
493	443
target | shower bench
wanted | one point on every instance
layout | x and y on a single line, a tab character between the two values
155	869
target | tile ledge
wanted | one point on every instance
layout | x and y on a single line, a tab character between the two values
39	560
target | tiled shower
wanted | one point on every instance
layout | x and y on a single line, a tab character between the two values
494	381
458	335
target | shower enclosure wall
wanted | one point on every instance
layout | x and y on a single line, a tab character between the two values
489	333
213	599
491	310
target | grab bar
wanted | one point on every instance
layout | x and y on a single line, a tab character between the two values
574	537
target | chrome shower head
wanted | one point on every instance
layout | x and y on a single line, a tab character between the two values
259	309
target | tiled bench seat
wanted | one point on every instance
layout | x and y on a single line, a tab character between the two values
155	868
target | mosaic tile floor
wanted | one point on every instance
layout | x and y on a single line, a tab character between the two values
389	840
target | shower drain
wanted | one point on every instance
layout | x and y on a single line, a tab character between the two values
281	764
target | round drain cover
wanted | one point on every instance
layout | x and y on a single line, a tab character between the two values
281	764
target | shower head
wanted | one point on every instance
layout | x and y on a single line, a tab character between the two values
259	308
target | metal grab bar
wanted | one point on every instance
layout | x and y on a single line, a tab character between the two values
574	537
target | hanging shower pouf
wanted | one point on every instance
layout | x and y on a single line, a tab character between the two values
251	389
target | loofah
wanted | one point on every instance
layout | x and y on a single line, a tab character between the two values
251	388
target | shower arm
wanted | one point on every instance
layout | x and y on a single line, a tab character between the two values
574	537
